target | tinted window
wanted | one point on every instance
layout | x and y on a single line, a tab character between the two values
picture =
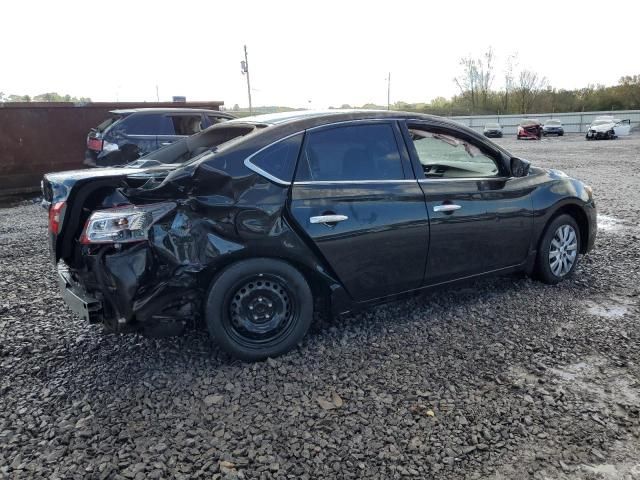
279	160
186	124
145	125
446	156
362	152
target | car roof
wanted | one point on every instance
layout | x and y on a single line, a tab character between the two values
310	118
277	126
127	111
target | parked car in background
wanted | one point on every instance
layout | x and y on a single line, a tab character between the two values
129	134
607	127
280	216
529	129
493	130
553	127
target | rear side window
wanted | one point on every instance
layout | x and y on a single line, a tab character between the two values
355	152
108	122
145	125
279	160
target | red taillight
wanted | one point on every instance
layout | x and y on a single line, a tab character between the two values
94	144
55	216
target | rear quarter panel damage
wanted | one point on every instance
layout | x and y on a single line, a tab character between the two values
158	286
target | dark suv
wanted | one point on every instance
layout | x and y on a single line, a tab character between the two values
255	224
132	133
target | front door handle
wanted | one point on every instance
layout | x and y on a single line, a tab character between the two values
447	207
328	218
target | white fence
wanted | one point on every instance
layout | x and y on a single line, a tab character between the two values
574	122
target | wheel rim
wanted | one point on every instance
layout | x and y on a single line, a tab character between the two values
563	250
260	310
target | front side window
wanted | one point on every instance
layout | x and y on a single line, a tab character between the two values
186	124
446	156
353	152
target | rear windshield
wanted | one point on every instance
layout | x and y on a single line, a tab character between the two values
109	121
529	123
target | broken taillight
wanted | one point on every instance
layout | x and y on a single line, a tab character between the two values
55	216
94	144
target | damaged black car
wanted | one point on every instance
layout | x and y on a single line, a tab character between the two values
254	225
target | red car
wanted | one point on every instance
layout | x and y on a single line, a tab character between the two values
530	129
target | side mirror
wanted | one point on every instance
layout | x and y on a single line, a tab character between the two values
519	167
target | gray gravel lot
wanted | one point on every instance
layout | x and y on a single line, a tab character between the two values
502	379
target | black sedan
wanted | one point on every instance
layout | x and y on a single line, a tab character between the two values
252	226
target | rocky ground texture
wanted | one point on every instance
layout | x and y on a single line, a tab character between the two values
502	379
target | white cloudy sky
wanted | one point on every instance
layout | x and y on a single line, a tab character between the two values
303	53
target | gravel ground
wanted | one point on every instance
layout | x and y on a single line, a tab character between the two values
502	379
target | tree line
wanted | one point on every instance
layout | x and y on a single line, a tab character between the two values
43	97
522	91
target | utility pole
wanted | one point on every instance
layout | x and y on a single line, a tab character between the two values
389	91
244	66
157	94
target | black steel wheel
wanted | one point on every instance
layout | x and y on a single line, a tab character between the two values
259	308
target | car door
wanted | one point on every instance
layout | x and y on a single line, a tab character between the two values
622	128
356	198
481	219
135	136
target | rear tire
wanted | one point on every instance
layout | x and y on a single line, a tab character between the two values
559	250
259	308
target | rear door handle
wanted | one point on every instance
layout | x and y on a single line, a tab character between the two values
449	207
328	218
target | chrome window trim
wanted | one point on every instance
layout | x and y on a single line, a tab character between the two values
461	179
354	182
264	173
279	181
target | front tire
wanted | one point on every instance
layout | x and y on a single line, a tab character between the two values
558	252
259	308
